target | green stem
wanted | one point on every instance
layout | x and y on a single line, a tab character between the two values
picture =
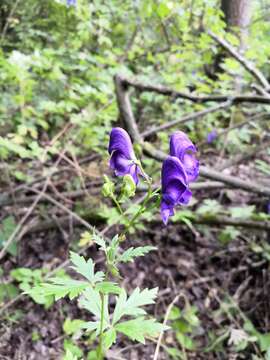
100	353
118	205
138	213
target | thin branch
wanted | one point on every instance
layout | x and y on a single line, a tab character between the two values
214	175
194	116
163	90
166	318
256	73
227	221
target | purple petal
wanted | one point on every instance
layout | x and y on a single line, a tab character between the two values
120	163
191	165
211	136
174	187
134	171
120	141
183	148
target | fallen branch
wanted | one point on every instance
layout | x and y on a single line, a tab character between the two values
227	221
163	90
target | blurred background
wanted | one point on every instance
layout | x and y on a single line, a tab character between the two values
199	66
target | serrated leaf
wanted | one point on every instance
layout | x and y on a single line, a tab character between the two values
59	288
131	306
109	338
131	253
139	328
108	287
91	301
99	241
86	268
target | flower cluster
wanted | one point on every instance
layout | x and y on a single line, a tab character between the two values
179	169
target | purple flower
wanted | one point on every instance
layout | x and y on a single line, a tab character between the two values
71	2
174	187
183	148
268	208
211	136
123	160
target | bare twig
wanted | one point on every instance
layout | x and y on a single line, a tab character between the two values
177	297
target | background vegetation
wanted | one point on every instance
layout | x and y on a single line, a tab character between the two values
201	63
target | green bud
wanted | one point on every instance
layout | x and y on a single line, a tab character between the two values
108	187
138	149
128	187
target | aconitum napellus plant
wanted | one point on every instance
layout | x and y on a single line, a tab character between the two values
97	288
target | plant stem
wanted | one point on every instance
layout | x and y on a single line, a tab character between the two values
118	205
100	347
138	213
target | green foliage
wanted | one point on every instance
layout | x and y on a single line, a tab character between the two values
140	328
6	229
28	281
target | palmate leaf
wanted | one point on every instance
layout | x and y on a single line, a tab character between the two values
91	301
140	328
132	253
132	305
86	268
59	288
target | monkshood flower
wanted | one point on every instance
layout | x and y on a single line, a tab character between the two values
211	136
174	186
71	2
183	148
123	160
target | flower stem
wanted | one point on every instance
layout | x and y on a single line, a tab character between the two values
139	212
118	205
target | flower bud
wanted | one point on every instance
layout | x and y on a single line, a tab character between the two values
108	187
128	187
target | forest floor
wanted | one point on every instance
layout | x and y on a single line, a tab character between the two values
217	279
186	262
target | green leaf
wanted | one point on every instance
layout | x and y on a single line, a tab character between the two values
71	327
91	325
59	288
109	338
99	241
185	341
242	212
6	229
86	268
73	349
91	301
139	328
132	253
108	287
131	306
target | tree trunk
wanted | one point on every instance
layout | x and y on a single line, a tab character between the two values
238	15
